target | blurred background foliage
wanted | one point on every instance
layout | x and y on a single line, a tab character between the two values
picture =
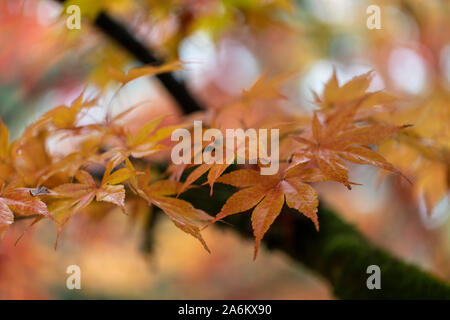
226	46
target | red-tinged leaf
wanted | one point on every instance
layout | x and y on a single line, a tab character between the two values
363	155
332	166
302	197
338	138
266	194
306	174
180	208
214	173
265	214
316	128
194	175
80	195
192	230
303	141
340	120
241	178
21	201
366	135
69	165
64	213
181	212
183	215
77	205
72	190
241	201
112	194
6	218
163	188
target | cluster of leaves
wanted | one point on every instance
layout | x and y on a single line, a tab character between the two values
426	145
36	181
342	132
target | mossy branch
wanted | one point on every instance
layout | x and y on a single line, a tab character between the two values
338	252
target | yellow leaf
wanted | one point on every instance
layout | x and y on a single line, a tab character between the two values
143	71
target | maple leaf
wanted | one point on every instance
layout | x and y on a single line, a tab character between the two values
145	142
266	89
65	117
267	195
335	96
71	163
250	146
20	201
29	157
336	139
215	171
181	212
243	110
77	196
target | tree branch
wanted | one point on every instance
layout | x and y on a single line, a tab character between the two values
120	34
338	252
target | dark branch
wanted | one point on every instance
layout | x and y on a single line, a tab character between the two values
120	34
338	252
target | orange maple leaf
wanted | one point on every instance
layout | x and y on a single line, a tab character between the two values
336	139
267	194
77	196
181	212
65	117
21	201
335	96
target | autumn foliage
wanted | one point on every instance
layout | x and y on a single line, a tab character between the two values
108	164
